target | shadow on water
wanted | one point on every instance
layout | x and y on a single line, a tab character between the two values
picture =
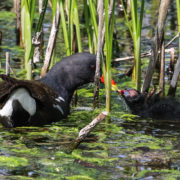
128	148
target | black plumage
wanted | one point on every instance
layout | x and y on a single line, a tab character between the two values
52	94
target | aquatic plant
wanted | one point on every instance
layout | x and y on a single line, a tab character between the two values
135	26
109	27
27	17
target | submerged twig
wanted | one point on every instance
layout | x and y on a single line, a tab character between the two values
86	130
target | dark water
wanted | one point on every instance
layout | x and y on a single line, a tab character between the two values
128	148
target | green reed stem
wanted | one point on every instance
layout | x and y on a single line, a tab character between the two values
65	32
135	27
76	22
88	27
70	24
54	4
93	16
27	16
178	13
109	27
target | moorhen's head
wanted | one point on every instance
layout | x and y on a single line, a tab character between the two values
84	69
70	73
134	99
74	70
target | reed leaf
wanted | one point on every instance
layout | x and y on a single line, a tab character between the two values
41	17
54	4
109	27
93	16
88	26
127	21
32	10
26	29
76	22
70	23
178	13
135	30
64	26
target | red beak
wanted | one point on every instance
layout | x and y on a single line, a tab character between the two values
121	92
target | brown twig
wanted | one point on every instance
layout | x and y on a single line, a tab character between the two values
99	52
162	70
157	44
172	88
86	130
51	42
36	41
7	63
17	5
148	53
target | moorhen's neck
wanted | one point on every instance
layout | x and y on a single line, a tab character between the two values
60	85
70	73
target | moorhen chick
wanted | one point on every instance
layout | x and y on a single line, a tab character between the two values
151	105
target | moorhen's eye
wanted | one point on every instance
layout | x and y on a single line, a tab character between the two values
93	67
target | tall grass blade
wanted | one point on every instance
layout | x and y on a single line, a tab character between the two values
70	24
93	16
64	26
127	21
88	26
76	22
54	4
109	27
178	13
32	10
26	29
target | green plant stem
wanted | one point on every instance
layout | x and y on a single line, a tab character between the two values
93	15
70	24
109	27
76	22
63	20
178	14
136	35
88	27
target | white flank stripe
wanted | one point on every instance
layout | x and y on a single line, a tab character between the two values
24	98
60	99
58	107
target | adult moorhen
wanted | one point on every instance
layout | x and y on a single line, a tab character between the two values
35	103
151	105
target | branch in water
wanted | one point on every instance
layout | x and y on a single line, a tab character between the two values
86	130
